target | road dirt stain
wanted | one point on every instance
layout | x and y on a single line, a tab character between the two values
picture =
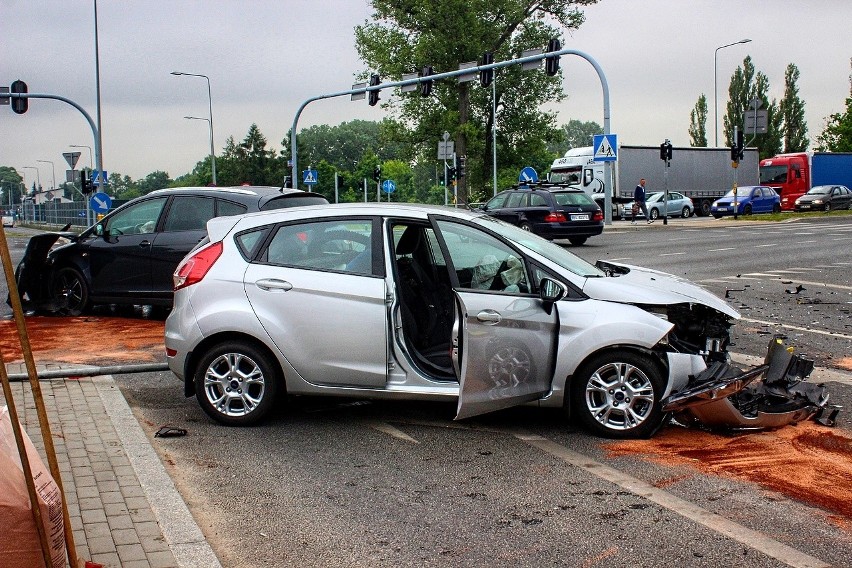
85	340
805	462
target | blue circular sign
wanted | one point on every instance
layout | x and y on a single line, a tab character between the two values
100	202
388	186
528	175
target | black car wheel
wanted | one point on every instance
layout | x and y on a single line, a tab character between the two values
69	291
747	210
654	214
577	241
685	213
617	395
525	226
827	207
776	208
236	383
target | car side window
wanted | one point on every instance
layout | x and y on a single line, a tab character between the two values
537	200
497	201
138	219
344	246
189	213
483	262
228	208
515	199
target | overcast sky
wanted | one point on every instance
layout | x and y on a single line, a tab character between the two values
264	58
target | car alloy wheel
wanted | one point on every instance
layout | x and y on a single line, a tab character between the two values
617	395
654	214
525	227
685	213
236	383
69	291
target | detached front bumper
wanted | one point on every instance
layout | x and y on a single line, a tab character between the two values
768	396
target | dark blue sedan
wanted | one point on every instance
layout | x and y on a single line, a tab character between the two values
746	200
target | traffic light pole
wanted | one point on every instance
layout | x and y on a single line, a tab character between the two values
94	128
608	187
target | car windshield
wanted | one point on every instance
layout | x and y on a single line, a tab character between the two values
773	174
545	248
572	198
740	192
820	190
654	197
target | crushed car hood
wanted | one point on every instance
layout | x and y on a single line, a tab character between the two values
635	285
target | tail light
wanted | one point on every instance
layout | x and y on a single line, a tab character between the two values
597	215
192	269
557	217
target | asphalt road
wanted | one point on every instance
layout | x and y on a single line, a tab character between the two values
331	482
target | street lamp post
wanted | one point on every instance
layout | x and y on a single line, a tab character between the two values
38	176
52	165
212	157
91	164
716	89
210	101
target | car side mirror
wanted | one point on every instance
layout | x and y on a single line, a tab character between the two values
550	291
99	230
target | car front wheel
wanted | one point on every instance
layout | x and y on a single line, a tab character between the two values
70	291
236	384
685	213
617	395
654	214
577	241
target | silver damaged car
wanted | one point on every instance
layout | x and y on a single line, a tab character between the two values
398	301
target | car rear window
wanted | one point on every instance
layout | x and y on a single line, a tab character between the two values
573	199
293	201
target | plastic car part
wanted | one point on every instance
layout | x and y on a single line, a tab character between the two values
768	396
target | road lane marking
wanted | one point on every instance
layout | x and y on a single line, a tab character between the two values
671	253
735	531
769	245
386	428
718	250
799	328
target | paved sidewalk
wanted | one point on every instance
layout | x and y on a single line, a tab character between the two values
124	508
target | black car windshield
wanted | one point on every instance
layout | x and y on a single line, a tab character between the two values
545	248
773	174
820	190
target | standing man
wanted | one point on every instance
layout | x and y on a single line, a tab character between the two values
639	202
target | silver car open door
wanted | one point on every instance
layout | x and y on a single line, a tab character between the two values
503	349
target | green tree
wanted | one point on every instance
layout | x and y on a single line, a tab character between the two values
249	162
154	180
837	134
575	134
793	113
698	123
10	185
404	37
746	85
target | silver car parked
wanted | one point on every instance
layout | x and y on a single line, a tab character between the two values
432	303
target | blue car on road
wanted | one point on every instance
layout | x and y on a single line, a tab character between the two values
746	200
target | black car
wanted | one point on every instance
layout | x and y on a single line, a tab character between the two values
129	256
552	214
825	198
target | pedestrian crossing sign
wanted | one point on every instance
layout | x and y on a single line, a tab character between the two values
309	177
605	147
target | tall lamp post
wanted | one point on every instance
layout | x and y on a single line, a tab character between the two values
210	100
212	157
52	165
91	164
716	88
38	176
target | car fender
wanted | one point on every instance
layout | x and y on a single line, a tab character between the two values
590	326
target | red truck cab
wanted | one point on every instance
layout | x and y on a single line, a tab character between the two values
789	175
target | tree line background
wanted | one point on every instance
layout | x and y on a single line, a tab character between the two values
404	37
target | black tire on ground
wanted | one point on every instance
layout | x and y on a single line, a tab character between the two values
525	226
577	241
236	383
654	213
70	291
685	213
747	210
827	207
617	395
776	208
704	208
717	216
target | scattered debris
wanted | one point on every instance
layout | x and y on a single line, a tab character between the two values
798	289
169	432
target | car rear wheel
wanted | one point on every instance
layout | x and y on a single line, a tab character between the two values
617	395
577	241
69	291
525	226
236	383
685	213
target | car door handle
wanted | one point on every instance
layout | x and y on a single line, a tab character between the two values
270	284
144	244
489	317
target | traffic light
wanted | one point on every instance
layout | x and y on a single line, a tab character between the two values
86	184
460	171
20	106
426	86
486	76
377	173
451	173
666	151
552	63
737	148
373	97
